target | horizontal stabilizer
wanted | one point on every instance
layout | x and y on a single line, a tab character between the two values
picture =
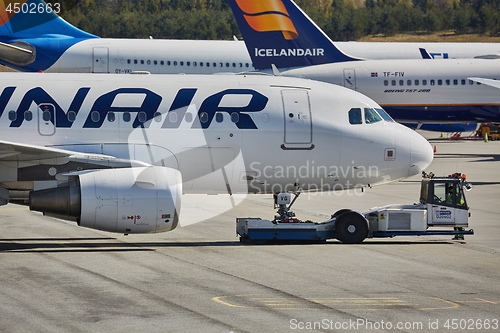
20	54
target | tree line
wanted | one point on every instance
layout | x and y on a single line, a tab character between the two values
340	19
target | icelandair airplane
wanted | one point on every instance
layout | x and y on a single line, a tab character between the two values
414	91
115	152
34	38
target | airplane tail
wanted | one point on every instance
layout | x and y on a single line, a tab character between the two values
278	32
25	19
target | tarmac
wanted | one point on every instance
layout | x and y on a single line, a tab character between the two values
58	277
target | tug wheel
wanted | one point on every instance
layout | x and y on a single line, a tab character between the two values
351	228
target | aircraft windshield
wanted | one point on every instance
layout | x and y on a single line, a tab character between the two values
384	115
371	116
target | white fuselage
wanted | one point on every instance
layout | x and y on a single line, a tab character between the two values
418	90
123	56
284	133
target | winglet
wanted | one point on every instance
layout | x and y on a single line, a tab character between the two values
489	82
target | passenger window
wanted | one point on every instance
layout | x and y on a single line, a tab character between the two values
188	63
447	82
194	63
142	62
417	82
155	62
71	116
157	117
386	83
181	63
219	117
440	82
408	82
94	116
188	117
12	115
175	63
235	117
204	117
371	116
247	65
111	116
142	117
128	61
455	82
172	117
28	115
424	82
384	115
462	82
355	116
201	64
135	61
393	82
149	62
126	117
471	82
401	82
432	82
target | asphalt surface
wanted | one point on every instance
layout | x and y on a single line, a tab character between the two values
58	277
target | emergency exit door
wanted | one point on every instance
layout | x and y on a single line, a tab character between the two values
100	62
46	119
298	122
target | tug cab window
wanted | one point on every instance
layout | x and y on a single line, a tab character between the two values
355	116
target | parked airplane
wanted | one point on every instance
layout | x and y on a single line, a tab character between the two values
34	40
414	91
115	152
279	32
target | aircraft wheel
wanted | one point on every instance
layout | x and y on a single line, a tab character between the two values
351	229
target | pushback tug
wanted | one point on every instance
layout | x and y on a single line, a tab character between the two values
442	210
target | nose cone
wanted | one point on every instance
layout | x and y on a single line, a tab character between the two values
421	154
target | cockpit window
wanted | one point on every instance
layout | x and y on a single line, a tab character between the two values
371	116
384	115
355	116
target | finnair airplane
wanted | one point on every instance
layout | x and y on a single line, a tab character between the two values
115	152
412	91
39	40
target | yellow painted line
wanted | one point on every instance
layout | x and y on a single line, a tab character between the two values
453	305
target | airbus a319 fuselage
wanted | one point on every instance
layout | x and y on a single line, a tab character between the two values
99	142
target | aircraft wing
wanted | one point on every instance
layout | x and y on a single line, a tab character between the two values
489	82
33	154
13	53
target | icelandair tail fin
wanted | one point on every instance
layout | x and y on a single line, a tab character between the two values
21	19
279	32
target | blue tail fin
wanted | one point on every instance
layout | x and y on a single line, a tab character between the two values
23	19
33	36
279	32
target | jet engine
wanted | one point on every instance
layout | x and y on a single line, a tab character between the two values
128	200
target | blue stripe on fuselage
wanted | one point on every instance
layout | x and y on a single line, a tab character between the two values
444	114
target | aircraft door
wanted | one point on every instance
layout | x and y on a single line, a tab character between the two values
46	119
350	78
298	121
100	63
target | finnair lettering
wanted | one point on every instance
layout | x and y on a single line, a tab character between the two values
150	105
315	52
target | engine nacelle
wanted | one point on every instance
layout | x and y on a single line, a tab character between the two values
128	200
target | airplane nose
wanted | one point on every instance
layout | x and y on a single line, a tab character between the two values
421	154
